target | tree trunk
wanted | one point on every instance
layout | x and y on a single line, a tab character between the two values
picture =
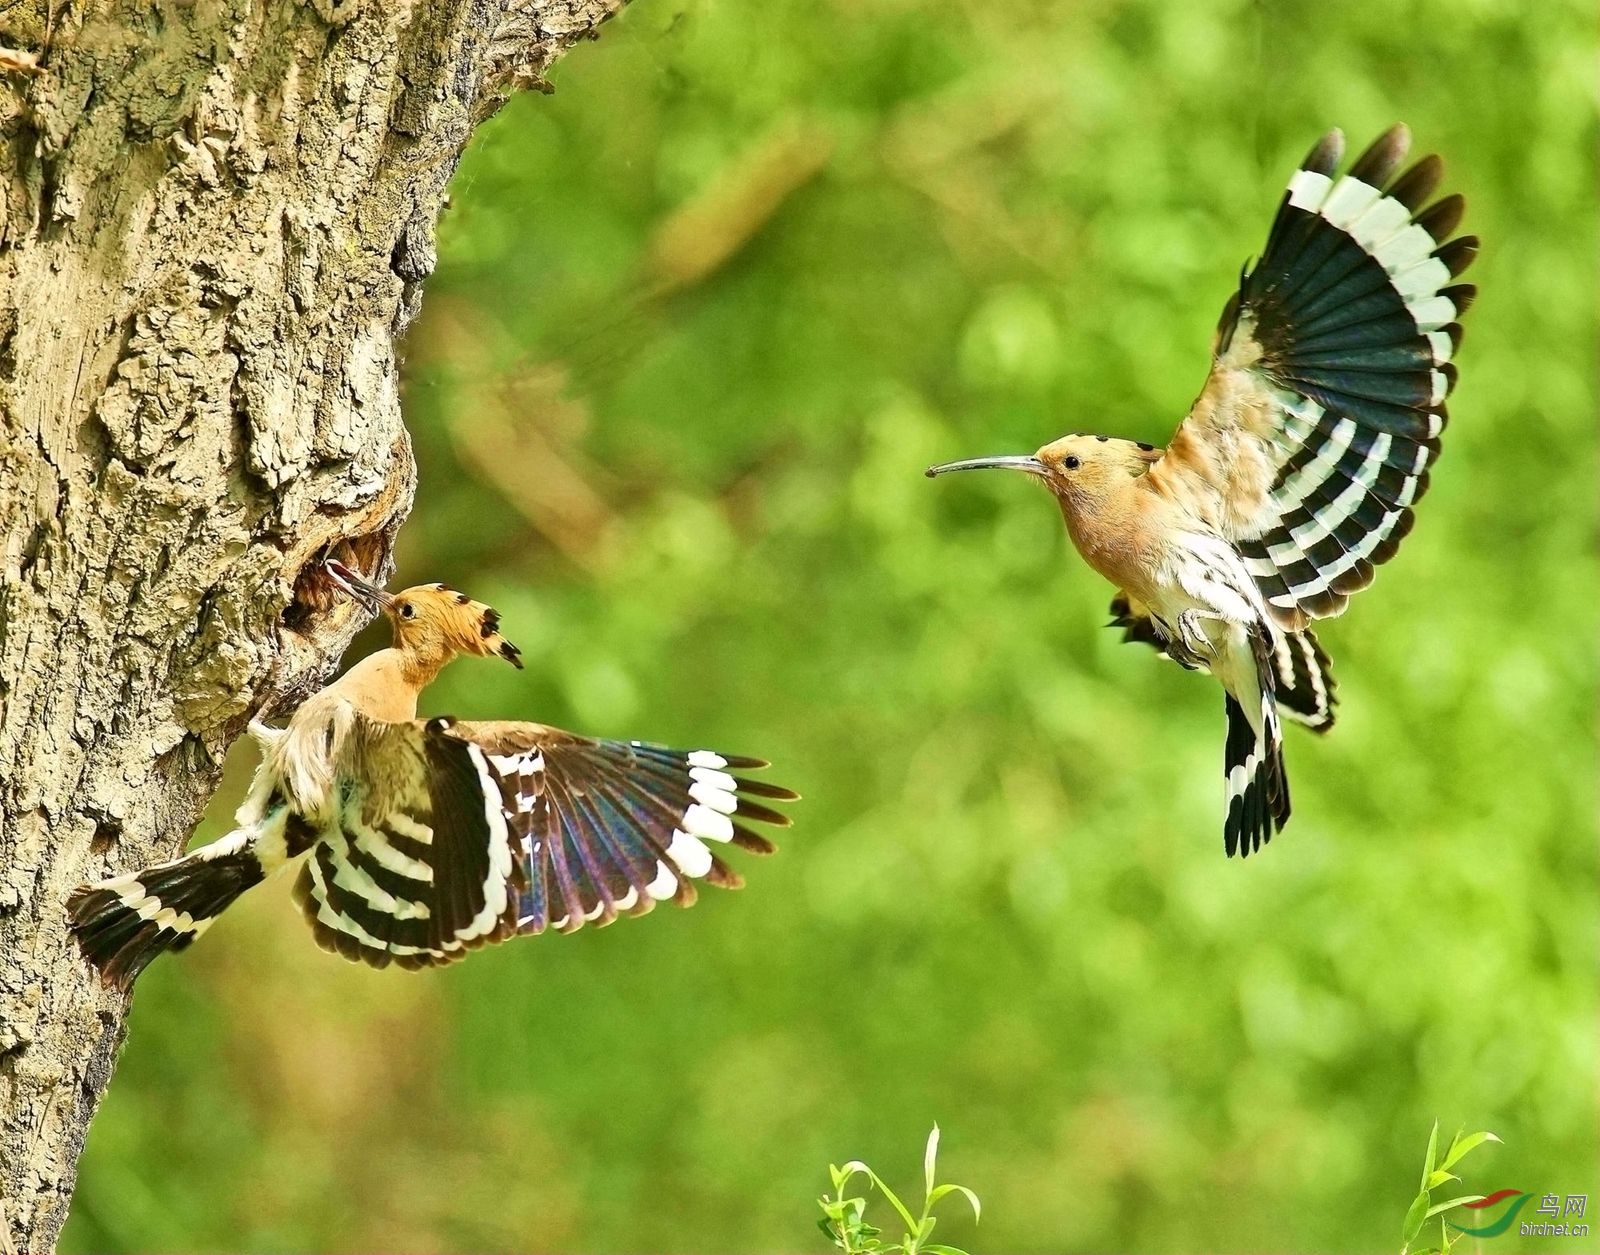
215	220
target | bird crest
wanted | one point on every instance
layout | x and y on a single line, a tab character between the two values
433	617
1083	461
432	622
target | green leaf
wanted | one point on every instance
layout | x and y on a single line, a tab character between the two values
928	1158
894	1201
1454	1202
1415	1215
1439	1177
936	1249
1427	1164
1462	1145
977	1207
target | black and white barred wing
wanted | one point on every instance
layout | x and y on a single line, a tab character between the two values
458	834
1314	433
418	865
608	828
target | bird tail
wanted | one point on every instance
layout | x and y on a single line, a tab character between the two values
1257	784
124	922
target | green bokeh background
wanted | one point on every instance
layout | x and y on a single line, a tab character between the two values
700	320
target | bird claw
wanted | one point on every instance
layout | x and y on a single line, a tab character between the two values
1192	634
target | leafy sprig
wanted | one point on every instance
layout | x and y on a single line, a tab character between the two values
844	1219
1435	1173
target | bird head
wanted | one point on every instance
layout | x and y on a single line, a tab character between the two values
1078	469
432	621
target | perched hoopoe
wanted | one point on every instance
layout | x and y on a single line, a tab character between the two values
1294	474
428	838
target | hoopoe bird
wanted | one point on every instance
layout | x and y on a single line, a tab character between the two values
423	839
1295	473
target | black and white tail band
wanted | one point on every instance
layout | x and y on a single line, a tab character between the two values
124	922
1257	786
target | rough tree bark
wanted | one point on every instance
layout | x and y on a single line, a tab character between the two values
215	219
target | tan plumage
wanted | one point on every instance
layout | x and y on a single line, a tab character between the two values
420	840
1294	473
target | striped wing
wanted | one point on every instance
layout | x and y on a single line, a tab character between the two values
1313	435
418	866
609	828
455	834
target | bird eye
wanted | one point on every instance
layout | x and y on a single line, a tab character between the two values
1071	462
407	610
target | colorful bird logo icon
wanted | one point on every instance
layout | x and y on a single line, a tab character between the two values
1500	1225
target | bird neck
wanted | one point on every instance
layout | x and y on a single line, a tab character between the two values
1094	523
1114	533
386	685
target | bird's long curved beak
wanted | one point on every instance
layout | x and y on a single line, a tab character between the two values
356	586
1027	463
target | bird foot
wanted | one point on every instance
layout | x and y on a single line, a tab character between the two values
1192	633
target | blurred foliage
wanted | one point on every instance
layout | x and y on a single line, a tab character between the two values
700	320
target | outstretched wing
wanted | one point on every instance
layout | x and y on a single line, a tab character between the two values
607	828
1321	415
456	834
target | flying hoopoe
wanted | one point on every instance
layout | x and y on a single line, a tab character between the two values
1294	474
424	839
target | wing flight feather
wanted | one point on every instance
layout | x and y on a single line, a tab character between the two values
1313	435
